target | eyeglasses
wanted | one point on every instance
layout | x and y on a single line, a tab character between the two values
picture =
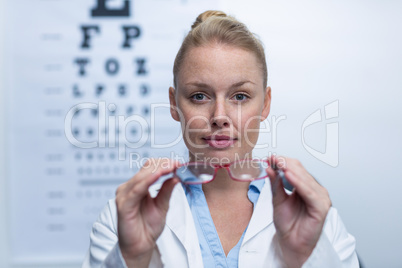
246	170
201	172
204	172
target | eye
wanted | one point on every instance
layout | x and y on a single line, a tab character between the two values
198	97
240	97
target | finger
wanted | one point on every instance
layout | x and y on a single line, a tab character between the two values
153	174
163	197
278	193
308	189
152	170
299	178
149	169
301	175
314	197
138	186
297	168
278	162
161	172
144	172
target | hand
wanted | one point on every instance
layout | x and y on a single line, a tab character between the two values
141	218
300	216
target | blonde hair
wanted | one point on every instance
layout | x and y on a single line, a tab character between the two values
215	26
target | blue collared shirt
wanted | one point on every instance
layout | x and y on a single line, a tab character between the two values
212	251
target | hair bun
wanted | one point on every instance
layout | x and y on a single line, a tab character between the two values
205	15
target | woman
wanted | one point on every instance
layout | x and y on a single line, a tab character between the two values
220	96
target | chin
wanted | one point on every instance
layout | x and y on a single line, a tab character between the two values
219	155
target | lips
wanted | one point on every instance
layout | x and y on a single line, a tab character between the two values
219	141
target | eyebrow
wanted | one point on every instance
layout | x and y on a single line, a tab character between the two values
203	85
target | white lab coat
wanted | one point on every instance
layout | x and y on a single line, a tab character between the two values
178	244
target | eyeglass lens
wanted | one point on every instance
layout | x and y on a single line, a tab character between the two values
199	172
194	173
247	170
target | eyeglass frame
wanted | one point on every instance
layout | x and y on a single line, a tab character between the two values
280	173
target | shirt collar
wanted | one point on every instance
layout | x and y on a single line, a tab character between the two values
256	185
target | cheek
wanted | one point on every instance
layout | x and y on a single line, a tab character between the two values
250	126
195	124
251	120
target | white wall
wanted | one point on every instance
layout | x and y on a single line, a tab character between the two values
319	52
3	205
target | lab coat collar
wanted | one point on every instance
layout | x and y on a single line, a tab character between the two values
262	214
180	220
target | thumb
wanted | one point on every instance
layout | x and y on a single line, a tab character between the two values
278	193
163	197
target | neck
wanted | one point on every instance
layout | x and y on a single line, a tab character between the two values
224	184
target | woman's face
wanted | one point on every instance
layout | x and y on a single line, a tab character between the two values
220	101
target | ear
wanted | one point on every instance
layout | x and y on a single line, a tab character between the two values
267	104
173	105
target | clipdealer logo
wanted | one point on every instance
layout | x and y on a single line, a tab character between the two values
331	154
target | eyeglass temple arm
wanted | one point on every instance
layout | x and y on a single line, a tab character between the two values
285	182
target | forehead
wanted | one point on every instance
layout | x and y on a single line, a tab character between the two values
219	65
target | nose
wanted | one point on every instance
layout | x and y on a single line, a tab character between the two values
220	117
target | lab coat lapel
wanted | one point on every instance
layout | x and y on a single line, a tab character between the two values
262	214
180	220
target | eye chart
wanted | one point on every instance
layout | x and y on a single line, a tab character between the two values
87	85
